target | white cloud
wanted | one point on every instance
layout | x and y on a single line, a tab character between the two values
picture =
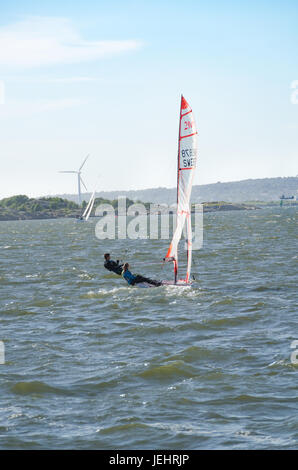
71	80
20	109
60	104
43	79
43	41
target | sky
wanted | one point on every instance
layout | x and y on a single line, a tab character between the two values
105	77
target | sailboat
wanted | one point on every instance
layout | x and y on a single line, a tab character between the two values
186	165
86	214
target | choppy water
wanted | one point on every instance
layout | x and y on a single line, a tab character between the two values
92	363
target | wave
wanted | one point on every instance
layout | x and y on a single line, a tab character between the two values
103	293
283	363
18	311
123	427
172	369
231	321
42	388
35	387
193	353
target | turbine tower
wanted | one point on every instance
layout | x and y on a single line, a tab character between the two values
80	180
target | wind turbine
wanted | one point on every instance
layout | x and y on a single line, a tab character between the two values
79	179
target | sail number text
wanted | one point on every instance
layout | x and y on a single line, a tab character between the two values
188	158
188	125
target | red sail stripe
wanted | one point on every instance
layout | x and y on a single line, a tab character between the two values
185	113
189	135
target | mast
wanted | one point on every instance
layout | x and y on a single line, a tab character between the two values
178	158
178	155
189	245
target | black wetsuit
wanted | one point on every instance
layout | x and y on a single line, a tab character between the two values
114	266
138	279
133	279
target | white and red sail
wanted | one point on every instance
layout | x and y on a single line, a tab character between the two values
187	158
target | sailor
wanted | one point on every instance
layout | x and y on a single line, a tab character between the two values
111	265
133	279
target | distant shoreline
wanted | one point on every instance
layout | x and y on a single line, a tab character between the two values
22	207
19	215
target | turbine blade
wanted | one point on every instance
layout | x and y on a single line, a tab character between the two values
83	183
83	162
67	171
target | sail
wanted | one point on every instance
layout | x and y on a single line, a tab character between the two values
87	207
187	158
90	206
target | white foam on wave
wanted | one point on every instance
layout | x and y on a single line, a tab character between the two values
103	292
